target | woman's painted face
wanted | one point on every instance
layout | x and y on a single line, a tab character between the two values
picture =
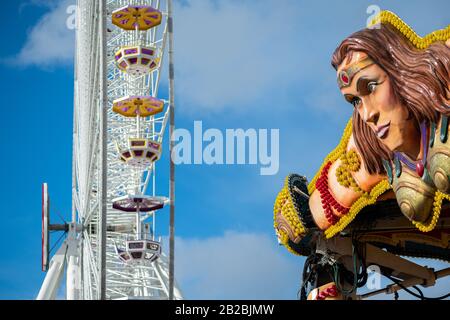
371	94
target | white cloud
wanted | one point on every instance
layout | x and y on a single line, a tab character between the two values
236	266
235	53
50	42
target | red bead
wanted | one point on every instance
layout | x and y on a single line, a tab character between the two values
419	168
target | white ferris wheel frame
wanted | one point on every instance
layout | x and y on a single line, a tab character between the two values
94	270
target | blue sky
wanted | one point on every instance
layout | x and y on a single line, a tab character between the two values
239	64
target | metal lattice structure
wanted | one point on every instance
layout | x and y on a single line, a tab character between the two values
103	174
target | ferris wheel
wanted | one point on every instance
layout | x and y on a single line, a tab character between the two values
112	249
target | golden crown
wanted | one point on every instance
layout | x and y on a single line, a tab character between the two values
385	17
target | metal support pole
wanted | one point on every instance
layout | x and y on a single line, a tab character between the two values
74	186
172	145
103	147
138	126
53	278
73	279
406	283
138	224
74	130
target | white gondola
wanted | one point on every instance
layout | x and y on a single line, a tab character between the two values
140	152
137	60
139	251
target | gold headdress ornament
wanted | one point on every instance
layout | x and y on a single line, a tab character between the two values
345	76
385	17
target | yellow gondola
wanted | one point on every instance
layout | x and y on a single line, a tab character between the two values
136	17
142	106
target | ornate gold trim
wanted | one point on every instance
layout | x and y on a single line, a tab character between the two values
432	221
419	42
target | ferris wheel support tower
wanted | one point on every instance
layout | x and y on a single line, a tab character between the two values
112	249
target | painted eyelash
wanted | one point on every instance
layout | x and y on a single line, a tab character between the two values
354	100
376	82
373	82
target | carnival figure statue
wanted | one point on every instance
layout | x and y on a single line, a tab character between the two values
395	146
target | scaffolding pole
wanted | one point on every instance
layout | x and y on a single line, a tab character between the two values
172	164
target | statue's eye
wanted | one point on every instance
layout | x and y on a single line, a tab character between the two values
371	86
356	102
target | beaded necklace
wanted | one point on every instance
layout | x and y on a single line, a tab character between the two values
328	201
419	166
